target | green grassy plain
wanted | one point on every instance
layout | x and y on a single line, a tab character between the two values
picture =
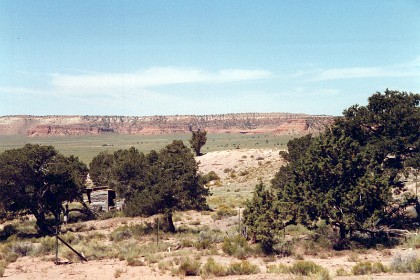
86	147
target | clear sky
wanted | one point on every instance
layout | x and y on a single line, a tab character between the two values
203	57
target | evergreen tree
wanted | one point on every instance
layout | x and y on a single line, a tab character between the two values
37	179
198	140
160	182
348	175
100	169
262	218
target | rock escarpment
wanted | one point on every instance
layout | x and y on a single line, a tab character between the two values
280	123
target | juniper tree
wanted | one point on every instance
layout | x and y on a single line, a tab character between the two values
198	140
100	168
160	182
37	180
348	175
262	218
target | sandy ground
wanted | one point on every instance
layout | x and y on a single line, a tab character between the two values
33	268
261	164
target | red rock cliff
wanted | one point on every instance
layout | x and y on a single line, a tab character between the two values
280	123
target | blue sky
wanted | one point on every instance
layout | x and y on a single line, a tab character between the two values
203	57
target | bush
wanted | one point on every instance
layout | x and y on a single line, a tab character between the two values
3	265
22	249
189	268
406	263
8	230
224	211
131	261
211	176
203	244
142	229
378	267
305	268
48	244
206	239
413	242
212	268
120	233
278	269
362	268
243	268
283	248
118	272
323	274
342	272
415	266
165	265
11	257
353	257
186	243
236	246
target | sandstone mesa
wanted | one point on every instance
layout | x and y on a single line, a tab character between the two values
278	123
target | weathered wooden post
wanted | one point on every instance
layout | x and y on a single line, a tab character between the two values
157	234
239	217
56	243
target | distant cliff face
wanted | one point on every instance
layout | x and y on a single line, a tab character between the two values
279	123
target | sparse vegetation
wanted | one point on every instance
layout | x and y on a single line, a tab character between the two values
189	267
236	246
213	269
118	272
243	268
193	249
224	211
342	272
407	262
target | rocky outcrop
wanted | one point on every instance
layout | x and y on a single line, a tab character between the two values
279	123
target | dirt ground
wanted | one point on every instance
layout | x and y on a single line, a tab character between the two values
34	269
261	164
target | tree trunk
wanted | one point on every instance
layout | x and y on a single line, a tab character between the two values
343	232
171	225
43	227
